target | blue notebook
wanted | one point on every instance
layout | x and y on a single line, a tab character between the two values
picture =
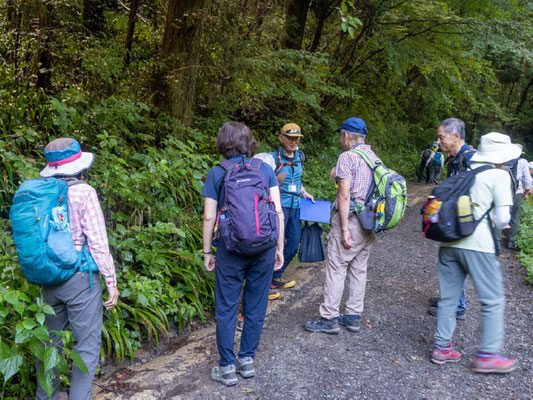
320	211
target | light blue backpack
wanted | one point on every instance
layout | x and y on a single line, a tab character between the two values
43	239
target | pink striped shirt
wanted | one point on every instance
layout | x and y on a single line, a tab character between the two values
351	167
87	222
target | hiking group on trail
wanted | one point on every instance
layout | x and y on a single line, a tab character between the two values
252	218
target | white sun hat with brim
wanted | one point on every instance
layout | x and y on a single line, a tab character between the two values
496	148
267	158
530	164
65	158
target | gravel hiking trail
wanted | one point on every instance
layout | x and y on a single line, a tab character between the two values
387	359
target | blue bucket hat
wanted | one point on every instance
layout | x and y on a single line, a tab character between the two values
65	158
355	125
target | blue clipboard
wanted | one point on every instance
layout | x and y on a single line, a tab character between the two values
320	211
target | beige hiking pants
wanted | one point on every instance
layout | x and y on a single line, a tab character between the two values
342	263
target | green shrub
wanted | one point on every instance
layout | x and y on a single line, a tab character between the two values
524	239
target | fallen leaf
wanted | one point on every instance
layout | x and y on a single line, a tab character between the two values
419	255
398	362
369	325
417	358
246	390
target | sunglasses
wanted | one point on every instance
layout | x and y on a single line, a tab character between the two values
288	131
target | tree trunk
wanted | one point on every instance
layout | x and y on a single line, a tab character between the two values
43	56
181	52
12	14
523	96
92	15
322	10
132	17
296	15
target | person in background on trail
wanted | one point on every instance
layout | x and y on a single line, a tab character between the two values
235	142
423	164
475	255
289	167
434	164
78	301
348	243
525	185
451	138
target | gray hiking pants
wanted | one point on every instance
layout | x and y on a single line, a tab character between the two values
76	305
484	269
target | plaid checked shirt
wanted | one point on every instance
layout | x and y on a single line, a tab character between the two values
351	167
87	222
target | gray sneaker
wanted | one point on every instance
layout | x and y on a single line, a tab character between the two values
225	375
352	322
245	367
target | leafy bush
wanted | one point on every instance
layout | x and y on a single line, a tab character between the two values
524	239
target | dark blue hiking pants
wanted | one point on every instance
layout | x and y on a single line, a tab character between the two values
231	270
293	231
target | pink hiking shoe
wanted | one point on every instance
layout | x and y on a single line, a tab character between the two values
442	355
492	363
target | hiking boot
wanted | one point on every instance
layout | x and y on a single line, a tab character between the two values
485	363
273	295
460	315
434	301
510	245
323	325
279	283
352	322
442	355
225	375
240	323
245	367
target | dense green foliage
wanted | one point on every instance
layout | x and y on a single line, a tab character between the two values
401	65
524	239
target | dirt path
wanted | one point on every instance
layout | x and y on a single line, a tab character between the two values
388	358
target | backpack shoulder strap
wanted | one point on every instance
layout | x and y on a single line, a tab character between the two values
277	160
461	160
255	162
302	156
365	157
226	164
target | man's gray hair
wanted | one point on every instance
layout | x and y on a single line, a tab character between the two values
353	135
454	125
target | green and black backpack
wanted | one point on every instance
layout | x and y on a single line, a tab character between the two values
386	198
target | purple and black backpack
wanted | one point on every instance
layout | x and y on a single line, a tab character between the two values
248	222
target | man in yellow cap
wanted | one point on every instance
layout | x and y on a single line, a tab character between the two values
289	167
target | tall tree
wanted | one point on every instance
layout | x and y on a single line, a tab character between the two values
132	17
181	52
296	15
43	55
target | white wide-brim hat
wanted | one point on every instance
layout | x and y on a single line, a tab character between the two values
496	148
530	164
65	158
267	158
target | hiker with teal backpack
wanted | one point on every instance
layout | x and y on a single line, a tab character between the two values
370	198
434	164
61	239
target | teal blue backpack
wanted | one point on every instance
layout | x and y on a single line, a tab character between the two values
43	239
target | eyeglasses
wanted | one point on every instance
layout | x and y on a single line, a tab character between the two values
291	131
